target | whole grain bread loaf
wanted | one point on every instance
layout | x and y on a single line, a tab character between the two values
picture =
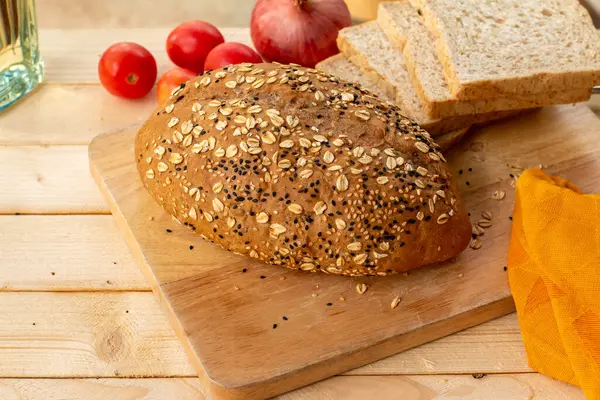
297	168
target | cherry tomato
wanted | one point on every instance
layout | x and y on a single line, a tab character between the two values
230	53
189	44
170	80
127	70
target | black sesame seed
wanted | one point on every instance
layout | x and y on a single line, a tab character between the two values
460	171
274	326
168	230
468	183
191	247
285	318
505	268
245	270
262	277
329	304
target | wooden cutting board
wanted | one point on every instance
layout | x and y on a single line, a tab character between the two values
253	330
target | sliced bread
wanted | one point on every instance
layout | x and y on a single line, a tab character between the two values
367	46
341	67
494	48
402	24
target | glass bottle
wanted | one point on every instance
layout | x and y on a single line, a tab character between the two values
21	67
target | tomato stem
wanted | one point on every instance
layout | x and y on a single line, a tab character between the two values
300	3
132	78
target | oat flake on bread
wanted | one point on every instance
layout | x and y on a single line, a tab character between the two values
295	167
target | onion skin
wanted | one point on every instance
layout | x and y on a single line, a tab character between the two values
298	31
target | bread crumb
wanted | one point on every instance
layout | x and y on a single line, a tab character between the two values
461	275
282	278
236	288
342	298
314	295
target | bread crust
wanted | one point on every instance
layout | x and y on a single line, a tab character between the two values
294	167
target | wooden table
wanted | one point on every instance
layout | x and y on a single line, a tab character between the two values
75	307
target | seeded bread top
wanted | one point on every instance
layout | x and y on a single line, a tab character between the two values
297	168
513	46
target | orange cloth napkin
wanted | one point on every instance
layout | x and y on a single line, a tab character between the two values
554	274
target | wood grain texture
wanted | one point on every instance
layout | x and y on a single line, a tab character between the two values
87	335
423	387
499	387
101	389
111	14
71	56
70	114
65	253
562	137
47	180
120	334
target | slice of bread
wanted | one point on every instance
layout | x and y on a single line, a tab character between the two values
367	46
494	48
403	26
341	67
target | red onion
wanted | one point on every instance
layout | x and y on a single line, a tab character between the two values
298	31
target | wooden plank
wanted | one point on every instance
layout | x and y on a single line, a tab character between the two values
497	387
70	114
71	56
52	179
101	389
65	253
111	14
87	335
418	387
93	335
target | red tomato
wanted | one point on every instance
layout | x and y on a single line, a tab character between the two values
230	53
127	70
189	44
170	80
